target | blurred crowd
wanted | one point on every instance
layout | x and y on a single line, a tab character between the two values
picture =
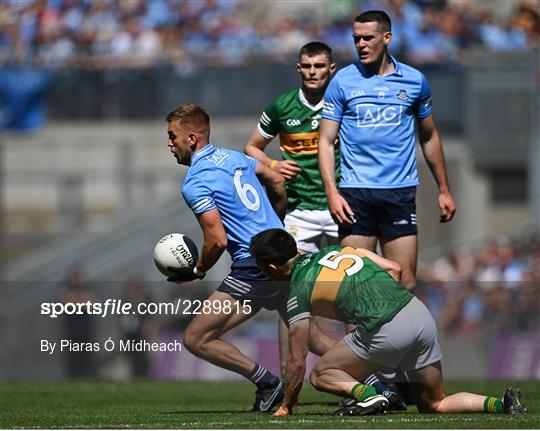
189	33
496	290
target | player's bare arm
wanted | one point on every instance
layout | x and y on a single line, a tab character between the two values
275	188
255	148
391	267
430	142
338	206
296	365
215	239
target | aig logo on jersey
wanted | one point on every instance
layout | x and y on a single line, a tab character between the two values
371	115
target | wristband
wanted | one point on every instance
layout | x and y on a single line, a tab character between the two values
198	273
273	164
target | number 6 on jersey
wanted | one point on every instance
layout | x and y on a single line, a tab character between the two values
243	191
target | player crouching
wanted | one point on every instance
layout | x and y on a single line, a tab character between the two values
394	329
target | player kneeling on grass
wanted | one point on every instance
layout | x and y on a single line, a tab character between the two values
394	329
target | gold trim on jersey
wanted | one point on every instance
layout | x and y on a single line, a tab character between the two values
299	143
326	286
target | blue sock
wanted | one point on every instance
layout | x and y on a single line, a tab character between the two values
261	377
373	380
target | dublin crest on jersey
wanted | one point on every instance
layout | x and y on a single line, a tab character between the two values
402	95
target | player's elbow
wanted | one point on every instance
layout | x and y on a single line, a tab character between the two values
221	243
313	379
396	271
218	242
248	149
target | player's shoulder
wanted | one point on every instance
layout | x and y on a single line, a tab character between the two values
286	98
409	71
346	72
193	179
206	160
222	161
210	157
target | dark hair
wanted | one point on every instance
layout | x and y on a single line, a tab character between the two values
273	246
379	16
315	48
189	113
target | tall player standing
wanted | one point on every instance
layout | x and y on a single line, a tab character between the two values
295	116
373	105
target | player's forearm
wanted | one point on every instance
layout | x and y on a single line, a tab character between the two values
327	137
211	252
388	265
327	167
295	378
252	151
279	203
277	196
434	155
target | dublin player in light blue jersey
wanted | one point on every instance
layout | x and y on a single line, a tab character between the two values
374	104
222	188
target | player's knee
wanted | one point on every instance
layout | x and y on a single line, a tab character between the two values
430	406
314	379
193	341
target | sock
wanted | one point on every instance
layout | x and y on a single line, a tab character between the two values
261	377
373	380
360	392
493	405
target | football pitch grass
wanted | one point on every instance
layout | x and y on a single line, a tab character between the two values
152	404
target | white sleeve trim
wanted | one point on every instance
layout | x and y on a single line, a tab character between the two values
300	316
263	133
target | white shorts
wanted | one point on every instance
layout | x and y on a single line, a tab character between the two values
408	342
309	227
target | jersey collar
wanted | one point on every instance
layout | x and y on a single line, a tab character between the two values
303	99
397	67
204	151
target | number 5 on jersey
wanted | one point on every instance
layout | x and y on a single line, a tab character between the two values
334	264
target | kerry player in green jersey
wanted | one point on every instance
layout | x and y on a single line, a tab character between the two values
295	116
394	329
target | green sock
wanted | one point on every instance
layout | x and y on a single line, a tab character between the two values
493	405
360	392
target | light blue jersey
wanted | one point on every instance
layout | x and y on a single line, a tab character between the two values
377	133
226	180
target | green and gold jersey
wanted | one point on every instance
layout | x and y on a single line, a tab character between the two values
341	283
297	123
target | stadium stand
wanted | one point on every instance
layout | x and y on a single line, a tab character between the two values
494	289
188	33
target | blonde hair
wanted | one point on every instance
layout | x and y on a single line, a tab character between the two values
193	115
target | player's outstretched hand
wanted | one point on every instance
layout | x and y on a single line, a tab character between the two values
340	209
283	411
184	275
447	207
288	169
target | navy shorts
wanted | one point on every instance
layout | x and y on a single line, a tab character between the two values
384	213
247	282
